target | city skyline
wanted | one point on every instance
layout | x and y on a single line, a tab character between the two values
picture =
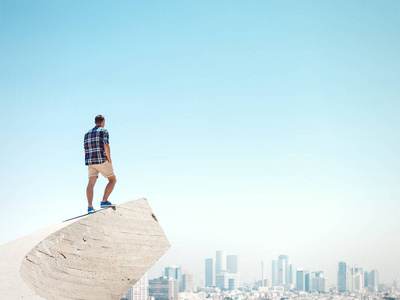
332	277
350	278
353	282
165	288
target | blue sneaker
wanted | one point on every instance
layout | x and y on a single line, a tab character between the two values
106	204
90	210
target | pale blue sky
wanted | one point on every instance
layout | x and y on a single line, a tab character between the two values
257	127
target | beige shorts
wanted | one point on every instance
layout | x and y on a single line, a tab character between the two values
106	169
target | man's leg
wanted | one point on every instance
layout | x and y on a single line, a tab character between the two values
89	190
112	180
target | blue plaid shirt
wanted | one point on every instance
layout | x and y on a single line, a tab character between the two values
94	145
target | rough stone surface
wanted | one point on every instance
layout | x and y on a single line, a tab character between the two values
99	256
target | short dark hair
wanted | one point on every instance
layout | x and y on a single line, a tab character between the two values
99	119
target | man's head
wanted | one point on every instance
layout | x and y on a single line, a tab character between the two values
100	120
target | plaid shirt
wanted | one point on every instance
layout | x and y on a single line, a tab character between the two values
94	145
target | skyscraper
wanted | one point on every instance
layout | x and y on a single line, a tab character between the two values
307	285
319	283
343	277
283	270
220	264
226	271
164	288
175	273
138	291
357	279
227	281
312	282
323	285
262	273
232	267
373	280
274	274
187	282
300	279
366	279
209	267
290	274
232	263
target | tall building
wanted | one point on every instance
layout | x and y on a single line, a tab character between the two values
373	280
209	268
232	267
164	288
138	291
282	272
312	282
175	273
232	263
324	285
187	282
220	263
366	279
357	279
226	271
307	285
227	281
343	277
300	280
262	273
233	283
274	274
290	274
283	269
319	283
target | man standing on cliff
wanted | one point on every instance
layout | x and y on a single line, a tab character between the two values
98	160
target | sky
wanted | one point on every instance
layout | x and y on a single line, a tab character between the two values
256	127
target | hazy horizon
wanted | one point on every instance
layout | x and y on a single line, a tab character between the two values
260	128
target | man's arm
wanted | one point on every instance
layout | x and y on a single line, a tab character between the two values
108	152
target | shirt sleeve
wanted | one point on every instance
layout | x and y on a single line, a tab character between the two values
105	137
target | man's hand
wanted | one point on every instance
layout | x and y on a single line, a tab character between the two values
108	152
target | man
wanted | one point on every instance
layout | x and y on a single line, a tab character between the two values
98	160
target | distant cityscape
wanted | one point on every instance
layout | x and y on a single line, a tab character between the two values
222	282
